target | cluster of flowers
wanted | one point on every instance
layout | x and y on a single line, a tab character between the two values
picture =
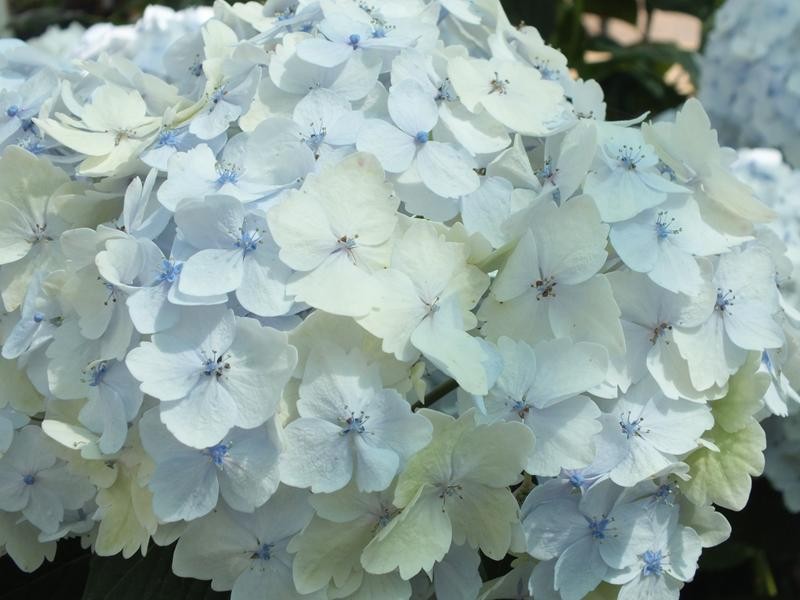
233	271
779	186
750	81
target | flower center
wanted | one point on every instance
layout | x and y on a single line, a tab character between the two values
218	94
576	480
598	527
217	453
39	233
724	300
660	330
354	40
13	110
664	494
449	490
421	137
665	225
227	173
631	427
95	373
168	137
354	424
169	271
215	364
629	157
249	239
264	552
316	137
545	288
520	408
652	563
347	244
29	479
498	86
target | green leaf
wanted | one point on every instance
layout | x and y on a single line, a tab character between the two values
143	578
702	9
726	556
723	477
619	9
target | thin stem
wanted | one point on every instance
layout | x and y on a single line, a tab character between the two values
437	393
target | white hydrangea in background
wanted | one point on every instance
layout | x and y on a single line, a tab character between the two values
343	296
750	80
779	186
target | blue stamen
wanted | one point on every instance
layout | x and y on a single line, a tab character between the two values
29	480
317	137
422	137
598	527
38	317
13	110
547	73
248	240
214	365
652	563
666	170
664	494
520	408
32	145
96	374
354	424
227	174
169	138
217	453
629	157
664	226
218	95
264	552
169	271
354	40
577	480
630	427
724	300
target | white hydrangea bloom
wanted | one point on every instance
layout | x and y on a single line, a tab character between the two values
35	482
349	426
242	246
246	553
213	371
186	484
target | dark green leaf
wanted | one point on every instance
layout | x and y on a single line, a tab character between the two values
67	575
619	9
143	578
702	9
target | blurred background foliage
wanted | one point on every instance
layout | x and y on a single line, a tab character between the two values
643	54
